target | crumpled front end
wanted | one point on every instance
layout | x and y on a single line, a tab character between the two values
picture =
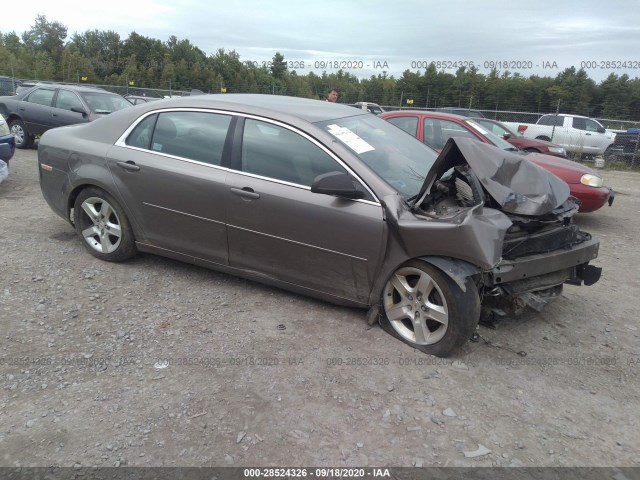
539	249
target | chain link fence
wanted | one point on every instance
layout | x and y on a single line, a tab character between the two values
627	131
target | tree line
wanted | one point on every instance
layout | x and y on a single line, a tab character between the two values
103	58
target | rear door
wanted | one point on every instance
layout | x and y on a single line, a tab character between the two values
168	171
277	227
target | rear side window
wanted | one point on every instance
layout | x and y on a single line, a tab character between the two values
193	135
41	96
551	120
408	124
141	135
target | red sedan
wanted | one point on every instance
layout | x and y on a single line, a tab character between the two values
435	128
520	142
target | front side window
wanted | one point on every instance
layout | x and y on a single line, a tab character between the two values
67	100
276	152
591	126
41	96
579	123
450	129
492	137
495	128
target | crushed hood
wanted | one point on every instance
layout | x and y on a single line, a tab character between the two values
516	184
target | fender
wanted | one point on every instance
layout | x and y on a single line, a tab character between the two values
457	270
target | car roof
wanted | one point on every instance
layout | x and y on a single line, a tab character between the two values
306	109
430	113
75	88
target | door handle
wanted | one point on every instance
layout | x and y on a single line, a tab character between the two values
131	166
246	192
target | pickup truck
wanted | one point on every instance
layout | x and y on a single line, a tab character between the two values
577	134
625	147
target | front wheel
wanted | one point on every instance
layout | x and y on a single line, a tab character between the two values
23	139
103	226
426	309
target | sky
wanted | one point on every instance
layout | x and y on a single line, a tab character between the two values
535	37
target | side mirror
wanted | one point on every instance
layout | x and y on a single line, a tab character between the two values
79	110
601	130
338	184
506	136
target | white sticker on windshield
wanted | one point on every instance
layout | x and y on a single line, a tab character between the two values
350	139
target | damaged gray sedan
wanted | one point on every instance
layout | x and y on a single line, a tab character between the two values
323	200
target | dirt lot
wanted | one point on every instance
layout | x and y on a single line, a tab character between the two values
157	363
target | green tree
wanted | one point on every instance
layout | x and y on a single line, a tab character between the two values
46	38
278	66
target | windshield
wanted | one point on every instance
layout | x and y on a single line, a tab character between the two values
105	102
492	137
397	157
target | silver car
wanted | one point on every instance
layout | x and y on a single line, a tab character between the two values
324	200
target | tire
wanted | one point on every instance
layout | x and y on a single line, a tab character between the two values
418	294
22	136
542	137
609	155
103	226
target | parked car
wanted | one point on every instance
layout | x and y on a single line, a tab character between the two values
323	200
465	112
26	85
7	142
520	142
45	106
138	99
369	107
577	134
7	86
625	147
434	129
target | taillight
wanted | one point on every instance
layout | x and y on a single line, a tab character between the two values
522	128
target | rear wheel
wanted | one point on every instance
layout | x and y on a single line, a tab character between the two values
23	139
103	226
426	309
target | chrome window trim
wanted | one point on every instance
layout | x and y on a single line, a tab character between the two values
121	142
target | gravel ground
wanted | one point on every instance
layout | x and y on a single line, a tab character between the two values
157	363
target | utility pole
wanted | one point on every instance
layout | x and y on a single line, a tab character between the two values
553	130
